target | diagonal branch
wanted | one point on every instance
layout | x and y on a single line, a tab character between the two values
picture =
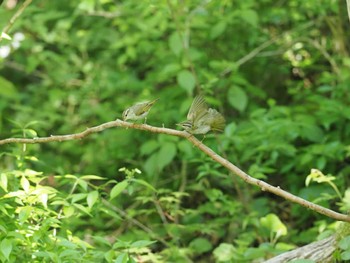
224	162
15	16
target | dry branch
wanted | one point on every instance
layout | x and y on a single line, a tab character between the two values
234	169
319	252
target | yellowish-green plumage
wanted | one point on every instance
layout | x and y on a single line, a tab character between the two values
201	119
138	111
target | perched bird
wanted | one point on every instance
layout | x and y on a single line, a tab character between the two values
201	119
138	111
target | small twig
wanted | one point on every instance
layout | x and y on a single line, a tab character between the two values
160	210
234	169
14	17
256	51
135	222
324	52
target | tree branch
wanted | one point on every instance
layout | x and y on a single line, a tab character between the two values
234	169
14	17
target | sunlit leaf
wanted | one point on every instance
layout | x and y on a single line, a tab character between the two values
43	199
143	182
6	247
92	177
142	243
274	224
122	258
82	208
118	188
25	184
92	198
4	35
224	252
3	181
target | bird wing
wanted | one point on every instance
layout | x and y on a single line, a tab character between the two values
218	121
143	107
198	109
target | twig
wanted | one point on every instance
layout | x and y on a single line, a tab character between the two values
135	222
234	169
256	51
14	17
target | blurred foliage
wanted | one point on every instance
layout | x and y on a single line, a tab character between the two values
277	70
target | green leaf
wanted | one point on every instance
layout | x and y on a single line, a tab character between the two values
122	258
3	181
345	255
92	177
68	211
201	245
7	89
109	255
6	248
142	243
25	184
250	16
274	224
83	184
82	208
175	43
218	29
149	147
237	98
186	80
43	199
344	243
78	197
166	154
118	188
92	198
4	35
224	252
311	132
151	164
253	253
142	182
70	254
30	133
24	213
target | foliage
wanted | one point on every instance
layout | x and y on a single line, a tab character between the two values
278	72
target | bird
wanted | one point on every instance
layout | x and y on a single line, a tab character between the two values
138	111
201	119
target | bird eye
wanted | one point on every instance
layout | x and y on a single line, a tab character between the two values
125	113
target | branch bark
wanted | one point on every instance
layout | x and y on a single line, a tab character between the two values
319	251
231	167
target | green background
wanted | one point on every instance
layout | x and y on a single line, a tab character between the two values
277	70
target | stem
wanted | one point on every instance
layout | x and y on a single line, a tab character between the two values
14	17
